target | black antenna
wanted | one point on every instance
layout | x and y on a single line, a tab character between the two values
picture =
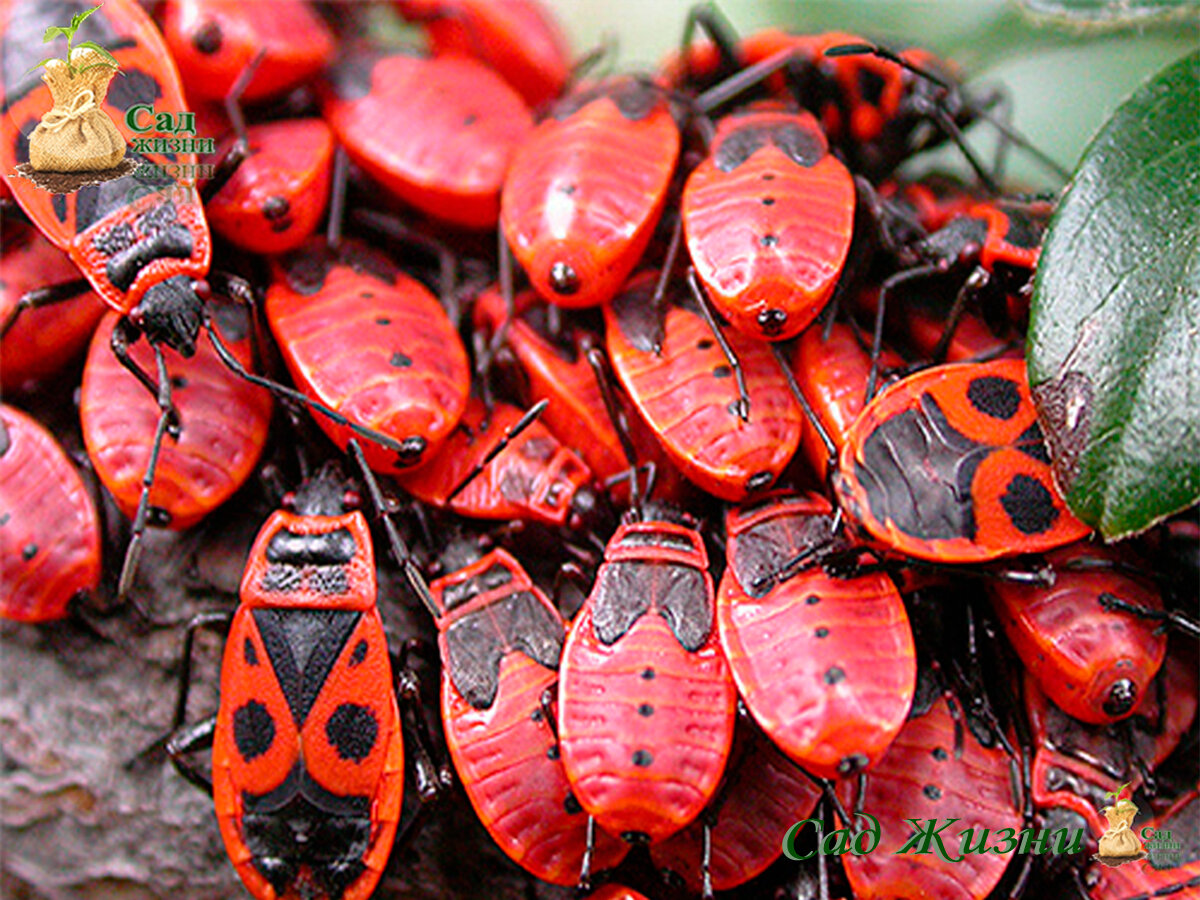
399	548
515	429
596	360
943	119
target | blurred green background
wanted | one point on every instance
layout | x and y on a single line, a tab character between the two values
1064	79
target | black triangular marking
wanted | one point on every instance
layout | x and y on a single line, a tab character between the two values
303	645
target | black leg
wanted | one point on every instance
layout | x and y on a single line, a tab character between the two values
186	740
237	153
168	421
742	404
45	296
520	425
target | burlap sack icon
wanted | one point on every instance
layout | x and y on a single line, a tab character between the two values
77	135
1120	839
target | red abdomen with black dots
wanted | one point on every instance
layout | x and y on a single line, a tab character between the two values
645	701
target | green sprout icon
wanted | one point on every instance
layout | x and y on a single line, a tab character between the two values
68	32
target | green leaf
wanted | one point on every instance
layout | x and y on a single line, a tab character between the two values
39	65
92	45
54	31
1114	345
77	19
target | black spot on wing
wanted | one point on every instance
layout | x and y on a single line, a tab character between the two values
253	730
352	731
994	396
1029	505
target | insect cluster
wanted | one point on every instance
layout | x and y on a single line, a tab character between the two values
716	481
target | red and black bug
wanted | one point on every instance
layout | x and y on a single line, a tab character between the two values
278	194
949	465
374	344
831	371
932	200
223	429
682	384
49	530
535	477
500	641
518	38
768	218
984	259
1095	664
214	41
308	752
141	240
587	188
645	702
877	106
40	341
763	795
825	664
1076	764
437	133
935	769
555	368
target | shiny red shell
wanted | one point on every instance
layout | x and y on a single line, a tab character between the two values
500	639
298	728
768	218
949	465
520	39
437	133
49	530
763	796
826	665
832	374
535	477
372	343
1095	664
687	395
587	188
645	702
213	41
224	427
922	777
1075	764
275	199
43	340
118	221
